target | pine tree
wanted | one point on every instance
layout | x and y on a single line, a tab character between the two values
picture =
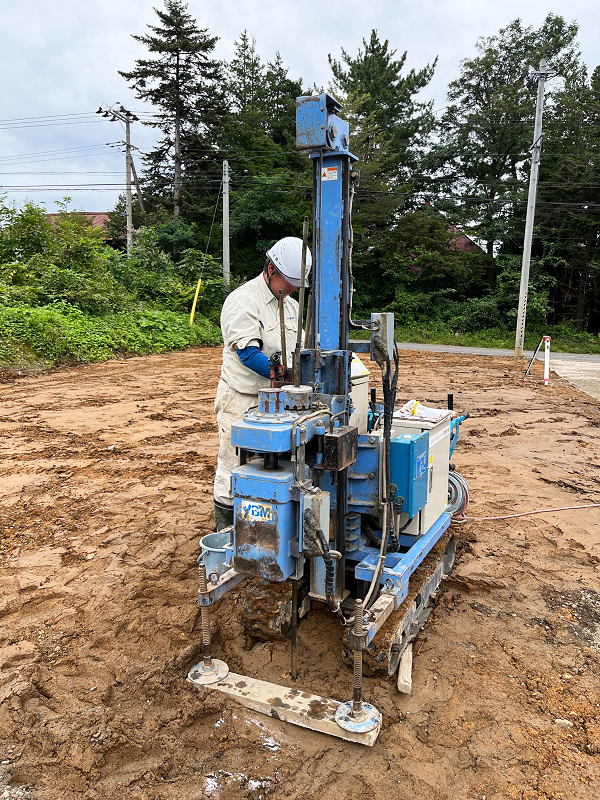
245	81
181	80
281	92
486	131
258	138
389	127
381	93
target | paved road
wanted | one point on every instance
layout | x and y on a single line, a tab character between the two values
491	351
579	369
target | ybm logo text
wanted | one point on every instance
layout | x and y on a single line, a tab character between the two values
257	512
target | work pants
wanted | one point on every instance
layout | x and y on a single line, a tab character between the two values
230	407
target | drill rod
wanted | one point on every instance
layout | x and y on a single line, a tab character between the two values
301	303
294	669
307	329
282	329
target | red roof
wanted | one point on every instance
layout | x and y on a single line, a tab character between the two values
98	219
461	242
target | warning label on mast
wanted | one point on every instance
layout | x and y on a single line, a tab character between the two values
329	174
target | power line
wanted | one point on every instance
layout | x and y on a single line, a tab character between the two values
63	172
46	124
48	117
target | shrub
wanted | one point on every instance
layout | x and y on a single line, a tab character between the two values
61	333
475	314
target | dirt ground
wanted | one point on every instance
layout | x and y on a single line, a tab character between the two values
106	474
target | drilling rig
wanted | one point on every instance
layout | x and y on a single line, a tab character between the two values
338	495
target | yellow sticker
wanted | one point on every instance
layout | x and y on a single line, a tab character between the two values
329	174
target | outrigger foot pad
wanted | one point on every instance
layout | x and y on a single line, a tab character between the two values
203	675
363	721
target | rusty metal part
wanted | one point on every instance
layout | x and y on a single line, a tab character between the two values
301	303
209	670
294	628
309	322
357	716
204	618
340	448
265	610
358	632
260	537
298	398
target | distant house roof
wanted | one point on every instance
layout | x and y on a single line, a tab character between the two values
461	242
98	219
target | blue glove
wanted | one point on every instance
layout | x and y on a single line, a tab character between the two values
253	358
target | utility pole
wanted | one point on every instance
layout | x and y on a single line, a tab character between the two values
128	205
226	269
121	114
542	75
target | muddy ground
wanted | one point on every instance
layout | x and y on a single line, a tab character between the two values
106	474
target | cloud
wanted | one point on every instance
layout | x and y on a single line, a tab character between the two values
63	58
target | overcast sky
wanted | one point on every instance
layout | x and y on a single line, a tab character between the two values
62	57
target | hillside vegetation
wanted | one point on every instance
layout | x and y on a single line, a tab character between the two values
66	296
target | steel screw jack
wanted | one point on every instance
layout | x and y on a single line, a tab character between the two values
357	716
209	670
357	703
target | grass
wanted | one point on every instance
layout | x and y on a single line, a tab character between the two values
565	338
51	335
45	336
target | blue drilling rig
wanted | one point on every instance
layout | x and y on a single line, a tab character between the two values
334	491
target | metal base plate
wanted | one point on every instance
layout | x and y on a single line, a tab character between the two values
204	676
291	705
367	720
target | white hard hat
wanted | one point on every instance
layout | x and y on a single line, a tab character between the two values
286	255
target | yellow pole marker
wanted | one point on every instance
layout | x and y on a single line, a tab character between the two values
195	301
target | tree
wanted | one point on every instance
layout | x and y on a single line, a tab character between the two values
181	80
486	131
389	128
567	235
246	84
280	103
257	136
382	94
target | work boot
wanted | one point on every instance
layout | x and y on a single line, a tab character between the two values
223	516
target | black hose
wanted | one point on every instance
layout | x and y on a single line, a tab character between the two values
328	561
313	525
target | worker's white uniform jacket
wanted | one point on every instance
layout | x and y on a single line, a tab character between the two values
250	316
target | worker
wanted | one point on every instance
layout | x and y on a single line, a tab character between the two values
251	333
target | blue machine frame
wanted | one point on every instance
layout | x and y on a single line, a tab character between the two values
304	468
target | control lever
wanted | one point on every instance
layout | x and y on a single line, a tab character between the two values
276	370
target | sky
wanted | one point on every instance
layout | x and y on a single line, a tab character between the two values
59	62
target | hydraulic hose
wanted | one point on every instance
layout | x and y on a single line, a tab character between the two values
312	524
328	560
458	496
390	383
